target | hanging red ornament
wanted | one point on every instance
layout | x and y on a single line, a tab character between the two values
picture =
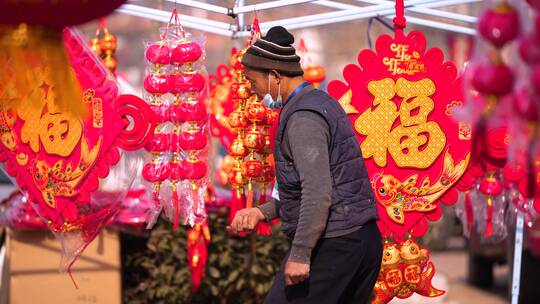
158	54
190	141
256	112
405	269
186	52
499	24
190	110
315	74
192	82
493	79
157	84
180	148
254	140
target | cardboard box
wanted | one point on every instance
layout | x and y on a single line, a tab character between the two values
31	271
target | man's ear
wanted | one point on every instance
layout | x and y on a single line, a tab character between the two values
276	75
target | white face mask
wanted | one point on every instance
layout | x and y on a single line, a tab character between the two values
269	101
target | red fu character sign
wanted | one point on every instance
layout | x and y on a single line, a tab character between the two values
401	100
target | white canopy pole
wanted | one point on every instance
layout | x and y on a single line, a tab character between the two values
347	12
220	28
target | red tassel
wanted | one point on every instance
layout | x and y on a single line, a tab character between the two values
176	208
469	211
489	217
264	228
249	200
237	203
197	257
155	195
262	197
195	198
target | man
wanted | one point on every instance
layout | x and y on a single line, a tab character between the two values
325	201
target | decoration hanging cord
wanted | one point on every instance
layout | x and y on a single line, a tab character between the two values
370	24
399	21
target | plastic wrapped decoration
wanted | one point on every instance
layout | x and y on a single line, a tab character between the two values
405	269
133	214
198	238
105	46
17	213
176	89
63	159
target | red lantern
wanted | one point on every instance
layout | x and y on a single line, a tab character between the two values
240	90
95	46
315	74
271	117
156	84
158	54
108	43
236	178
254	140
190	141
177	172
153	172
256	112
237	149
161	113
493	79
500	24
158	143
238	120
186	53
194	169
253	168
187	83
110	62
190	111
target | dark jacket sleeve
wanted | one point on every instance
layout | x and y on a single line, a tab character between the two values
308	139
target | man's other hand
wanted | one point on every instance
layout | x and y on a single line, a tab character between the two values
295	273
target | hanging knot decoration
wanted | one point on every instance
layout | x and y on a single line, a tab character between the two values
405	269
176	88
62	157
414	146
252	148
105	46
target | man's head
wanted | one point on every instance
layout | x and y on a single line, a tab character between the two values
271	64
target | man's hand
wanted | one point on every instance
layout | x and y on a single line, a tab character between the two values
295	273
246	220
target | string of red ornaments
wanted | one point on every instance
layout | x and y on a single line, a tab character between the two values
176	88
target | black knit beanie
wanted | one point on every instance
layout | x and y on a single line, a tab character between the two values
274	52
